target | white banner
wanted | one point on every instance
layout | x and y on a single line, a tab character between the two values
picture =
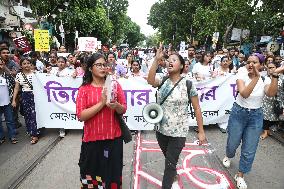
55	101
216	98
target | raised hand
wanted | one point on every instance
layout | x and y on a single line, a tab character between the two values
255	71
160	53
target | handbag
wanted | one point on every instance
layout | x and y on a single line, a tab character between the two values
125	132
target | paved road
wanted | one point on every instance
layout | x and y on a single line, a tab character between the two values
59	168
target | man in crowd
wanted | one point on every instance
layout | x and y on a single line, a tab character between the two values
39	65
13	69
191	57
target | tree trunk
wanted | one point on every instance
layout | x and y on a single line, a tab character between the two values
228	29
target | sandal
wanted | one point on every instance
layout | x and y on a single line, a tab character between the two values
34	140
14	141
2	140
263	136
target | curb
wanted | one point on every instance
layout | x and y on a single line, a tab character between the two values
24	172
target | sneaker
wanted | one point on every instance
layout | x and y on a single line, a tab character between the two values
241	183
223	130
175	184
226	162
62	133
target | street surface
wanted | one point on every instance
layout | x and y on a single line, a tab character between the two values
59	169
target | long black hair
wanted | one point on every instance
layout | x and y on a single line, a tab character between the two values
88	77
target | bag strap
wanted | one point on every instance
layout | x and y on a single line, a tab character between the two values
163	81
26	80
171	90
188	86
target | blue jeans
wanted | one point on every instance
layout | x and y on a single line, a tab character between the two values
9	118
244	125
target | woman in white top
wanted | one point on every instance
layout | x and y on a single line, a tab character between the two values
61	71
203	69
186	73
224	69
135	70
246	118
24	79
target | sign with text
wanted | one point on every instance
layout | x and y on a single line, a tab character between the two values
41	40
87	44
22	43
59	94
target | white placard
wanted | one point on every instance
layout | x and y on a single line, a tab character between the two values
265	39
182	46
63	54
99	44
272	46
236	34
87	44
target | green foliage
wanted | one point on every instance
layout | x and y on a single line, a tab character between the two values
179	20
153	40
104	19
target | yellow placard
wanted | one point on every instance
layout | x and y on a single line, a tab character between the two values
41	40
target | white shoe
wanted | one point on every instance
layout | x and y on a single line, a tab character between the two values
175	184
226	162
62	133
241	183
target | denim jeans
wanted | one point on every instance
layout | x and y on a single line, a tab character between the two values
244	125
171	148
9	118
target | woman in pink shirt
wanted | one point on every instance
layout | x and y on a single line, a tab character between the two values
101	157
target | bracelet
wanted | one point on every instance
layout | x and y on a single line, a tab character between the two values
275	76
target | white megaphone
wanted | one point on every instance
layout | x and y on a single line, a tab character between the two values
153	113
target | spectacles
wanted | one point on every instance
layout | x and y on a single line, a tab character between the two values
100	65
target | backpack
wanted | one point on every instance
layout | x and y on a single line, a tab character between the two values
188	86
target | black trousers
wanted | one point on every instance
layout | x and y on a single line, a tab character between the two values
171	148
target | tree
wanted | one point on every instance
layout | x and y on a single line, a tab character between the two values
178	20
132	34
104	19
153	40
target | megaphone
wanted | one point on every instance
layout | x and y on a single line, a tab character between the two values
153	113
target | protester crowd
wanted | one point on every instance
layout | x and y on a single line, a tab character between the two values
17	71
